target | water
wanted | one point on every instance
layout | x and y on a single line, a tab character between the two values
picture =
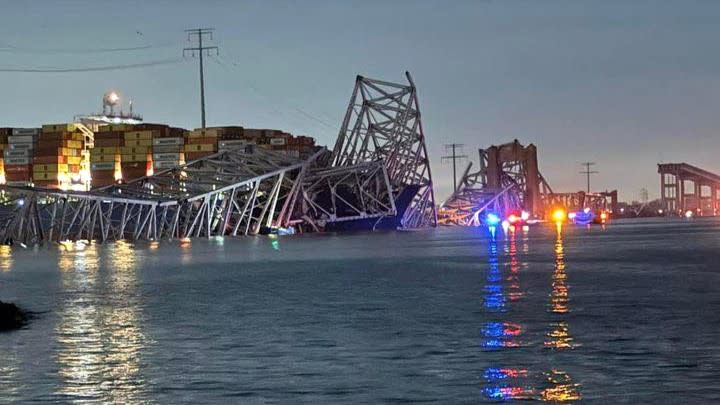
627	314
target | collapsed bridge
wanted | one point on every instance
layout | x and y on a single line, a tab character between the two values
377	175
508	179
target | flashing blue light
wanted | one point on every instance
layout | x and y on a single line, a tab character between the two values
492	344
492	219
496	393
493	329
493	373
584	217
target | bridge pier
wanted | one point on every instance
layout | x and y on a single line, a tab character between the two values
673	189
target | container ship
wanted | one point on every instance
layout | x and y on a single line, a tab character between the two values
103	149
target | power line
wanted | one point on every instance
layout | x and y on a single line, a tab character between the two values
588	172
92	69
221	61
5	47
200	33
454	157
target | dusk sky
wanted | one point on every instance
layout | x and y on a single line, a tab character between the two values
626	84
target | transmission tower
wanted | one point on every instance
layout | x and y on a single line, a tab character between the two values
588	172
454	157
199	34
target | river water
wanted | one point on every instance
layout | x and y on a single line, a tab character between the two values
625	314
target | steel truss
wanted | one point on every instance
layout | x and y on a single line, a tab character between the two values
508	179
380	157
236	192
383	124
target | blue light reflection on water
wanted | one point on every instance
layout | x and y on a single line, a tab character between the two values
506	383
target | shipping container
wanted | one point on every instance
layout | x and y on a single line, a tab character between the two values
105	150
20	146
97	158
26	131
50	159
139	135
59	143
16	153
167	156
59	128
168	149
46	176
102	166
138	157
50	168
167	141
190	156
165	164
17	161
23	139
203	133
128	150
105	142
277	141
200	148
201	141
138	142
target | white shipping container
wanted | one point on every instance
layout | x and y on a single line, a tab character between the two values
166	156
20	146
277	141
165	164
17	161
167	148
102	166
21	138
16	153
167	141
235	142
26	131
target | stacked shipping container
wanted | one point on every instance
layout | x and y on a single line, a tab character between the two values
131	151
126	151
56	159
201	142
18	155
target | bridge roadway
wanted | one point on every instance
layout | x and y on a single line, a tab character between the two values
702	196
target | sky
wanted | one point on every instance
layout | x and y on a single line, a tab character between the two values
626	84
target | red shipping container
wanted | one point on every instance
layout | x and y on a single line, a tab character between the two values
50	159
106	142
18	169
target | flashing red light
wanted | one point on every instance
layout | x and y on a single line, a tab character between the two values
512	218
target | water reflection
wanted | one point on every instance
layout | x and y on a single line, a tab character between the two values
99	333
10	388
6	259
558	385
494	299
503	383
185	251
559	336
561	389
502	293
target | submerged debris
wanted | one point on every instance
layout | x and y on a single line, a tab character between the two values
11	317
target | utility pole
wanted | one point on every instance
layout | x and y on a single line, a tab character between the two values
454	157
199	33
588	172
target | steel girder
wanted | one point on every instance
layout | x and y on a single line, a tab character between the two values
383	123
